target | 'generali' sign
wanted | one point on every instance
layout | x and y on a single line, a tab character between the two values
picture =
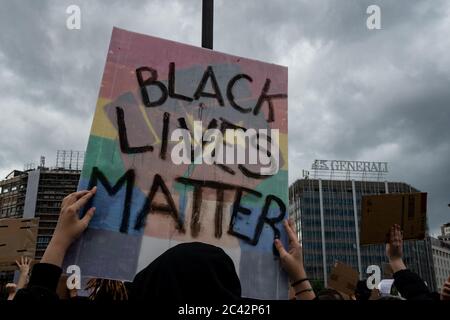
358	166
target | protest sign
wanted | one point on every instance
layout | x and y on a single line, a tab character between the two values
17	239
160	155
343	278
381	212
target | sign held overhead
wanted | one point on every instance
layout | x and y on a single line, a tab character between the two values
154	192
17	239
380	212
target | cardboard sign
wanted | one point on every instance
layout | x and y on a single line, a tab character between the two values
343	278
381	212
152	194
17	239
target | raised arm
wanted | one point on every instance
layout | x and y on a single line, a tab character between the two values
394	249
408	283
45	275
24	269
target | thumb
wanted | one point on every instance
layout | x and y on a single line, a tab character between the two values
88	216
280	247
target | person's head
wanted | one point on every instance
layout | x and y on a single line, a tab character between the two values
188	272
390	297
106	290
330	294
361	291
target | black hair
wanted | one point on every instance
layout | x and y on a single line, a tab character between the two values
361	291
330	294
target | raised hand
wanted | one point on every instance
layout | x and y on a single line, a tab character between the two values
69	226
292	262
291	259
24	264
394	248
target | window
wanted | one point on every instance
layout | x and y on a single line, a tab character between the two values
43	239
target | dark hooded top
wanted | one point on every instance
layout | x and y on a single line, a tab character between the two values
188	272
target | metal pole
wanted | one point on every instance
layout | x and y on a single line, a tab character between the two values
207	23
355	214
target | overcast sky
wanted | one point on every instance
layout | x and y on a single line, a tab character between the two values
354	93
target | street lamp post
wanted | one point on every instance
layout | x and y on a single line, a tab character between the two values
207	23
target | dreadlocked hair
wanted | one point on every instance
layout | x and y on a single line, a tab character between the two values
106	289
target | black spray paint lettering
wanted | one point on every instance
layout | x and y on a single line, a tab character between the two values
123	138
237	209
128	179
148	77
170	208
220	187
225	124
152	80
165	135
149	206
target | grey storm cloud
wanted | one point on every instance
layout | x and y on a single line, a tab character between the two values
354	93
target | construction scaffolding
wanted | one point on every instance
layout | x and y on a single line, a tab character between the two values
69	159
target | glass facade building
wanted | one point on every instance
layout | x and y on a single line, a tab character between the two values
327	215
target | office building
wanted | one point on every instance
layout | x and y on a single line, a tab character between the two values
445	233
327	210
37	192
12	194
441	255
441	261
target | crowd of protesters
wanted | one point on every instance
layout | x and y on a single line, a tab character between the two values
174	275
